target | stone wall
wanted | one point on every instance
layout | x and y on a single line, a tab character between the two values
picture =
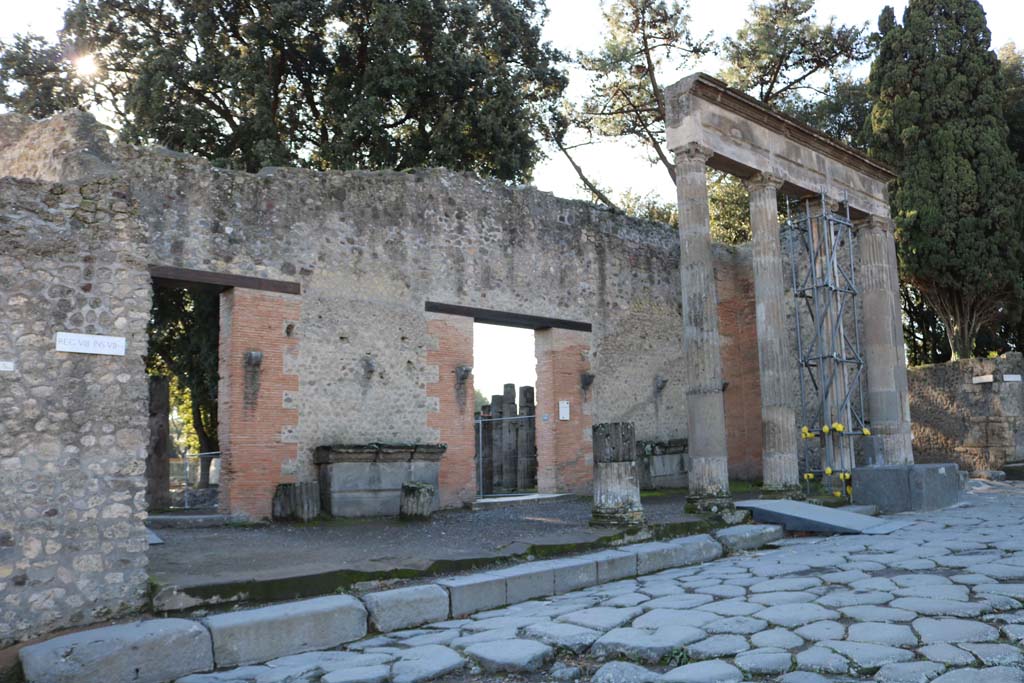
980	426
74	426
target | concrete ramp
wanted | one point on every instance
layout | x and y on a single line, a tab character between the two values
796	516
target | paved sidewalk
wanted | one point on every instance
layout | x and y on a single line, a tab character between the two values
938	600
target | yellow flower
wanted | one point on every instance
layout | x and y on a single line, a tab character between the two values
838	426
828	471
866	431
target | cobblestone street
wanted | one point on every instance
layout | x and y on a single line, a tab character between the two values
940	599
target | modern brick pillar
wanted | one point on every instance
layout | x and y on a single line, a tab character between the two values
452	354
884	352
778	418
709	474
259	383
565	457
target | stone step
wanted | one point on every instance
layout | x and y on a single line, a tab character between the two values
187	521
797	516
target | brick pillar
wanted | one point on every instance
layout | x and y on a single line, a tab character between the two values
259	381
565	456
709	468
778	418
453	419
884	351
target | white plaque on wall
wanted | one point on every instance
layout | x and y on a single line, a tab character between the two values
70	342
563	410
6	366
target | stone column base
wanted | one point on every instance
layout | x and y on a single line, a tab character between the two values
787	493
617	517
714	504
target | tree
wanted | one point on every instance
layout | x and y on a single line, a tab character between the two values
938	119
626	99
842	112
781	50
1011	65
37	78
923	334
184	332
341	84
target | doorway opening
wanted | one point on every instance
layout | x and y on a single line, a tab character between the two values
505	432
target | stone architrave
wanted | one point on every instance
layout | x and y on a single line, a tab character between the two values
709	473
884	355
778	418
616	484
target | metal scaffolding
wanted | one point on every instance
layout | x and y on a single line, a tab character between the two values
821	251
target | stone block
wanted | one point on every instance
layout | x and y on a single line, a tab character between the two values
657	555
527	581
474	593
572	573
258	635
696	549
748	536
153	651
653	556
886	487
613	565
407	607
934	486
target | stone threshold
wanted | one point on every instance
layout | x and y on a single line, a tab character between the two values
159	650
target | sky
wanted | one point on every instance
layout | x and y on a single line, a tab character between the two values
506	354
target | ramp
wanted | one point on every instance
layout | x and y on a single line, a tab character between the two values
796	516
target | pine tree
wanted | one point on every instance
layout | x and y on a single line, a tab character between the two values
938	119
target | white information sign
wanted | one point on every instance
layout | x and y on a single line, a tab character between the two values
70	342
563	410
6	366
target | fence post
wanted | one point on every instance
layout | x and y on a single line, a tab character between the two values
616	485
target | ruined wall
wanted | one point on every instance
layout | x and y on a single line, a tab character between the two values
74	426
978	426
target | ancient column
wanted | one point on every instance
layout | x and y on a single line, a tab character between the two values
509	428
158	467
616	486
778	418
884	353
708	476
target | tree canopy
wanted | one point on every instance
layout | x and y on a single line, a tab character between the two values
343	84
938	119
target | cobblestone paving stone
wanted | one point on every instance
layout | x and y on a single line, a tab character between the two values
939	600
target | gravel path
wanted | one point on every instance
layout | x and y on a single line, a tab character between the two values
939	600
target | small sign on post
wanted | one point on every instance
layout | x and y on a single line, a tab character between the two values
71	342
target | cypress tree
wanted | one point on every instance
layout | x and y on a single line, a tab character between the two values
937	117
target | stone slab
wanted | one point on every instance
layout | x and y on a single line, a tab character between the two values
258	635
407	607
658	555
572	573
902	488
474	593
527	581
151	651
748	536
796	516
613	565
934	486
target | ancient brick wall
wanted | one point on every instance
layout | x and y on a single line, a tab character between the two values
257	426
978	426
74	426
452	415
565	456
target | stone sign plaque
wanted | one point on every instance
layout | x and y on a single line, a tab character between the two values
6	366
70	342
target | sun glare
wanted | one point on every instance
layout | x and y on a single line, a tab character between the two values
86	66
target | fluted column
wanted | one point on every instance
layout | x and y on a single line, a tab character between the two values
884	351
708	477
778	418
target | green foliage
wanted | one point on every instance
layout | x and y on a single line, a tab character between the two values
1011	66
842	111
479	400
923	333
343	84
777	53
729	203
938	118
184	332
37	78
649	207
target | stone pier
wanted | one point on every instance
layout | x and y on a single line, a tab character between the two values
616	484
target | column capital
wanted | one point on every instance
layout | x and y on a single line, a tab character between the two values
763	181
882	223
692	151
